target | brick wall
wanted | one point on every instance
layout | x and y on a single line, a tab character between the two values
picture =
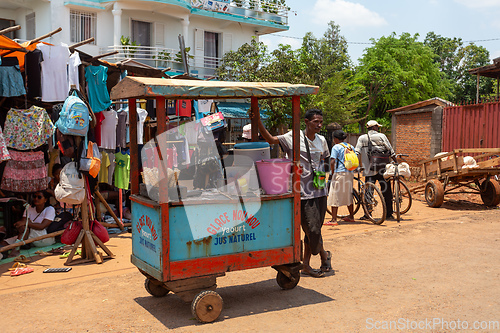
412	135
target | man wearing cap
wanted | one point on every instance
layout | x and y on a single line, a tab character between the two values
380	143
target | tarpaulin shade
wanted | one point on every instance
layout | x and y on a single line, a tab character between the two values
141	87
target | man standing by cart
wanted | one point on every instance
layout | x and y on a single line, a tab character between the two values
379	142
313	199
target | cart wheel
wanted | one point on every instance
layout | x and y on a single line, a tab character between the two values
155	289
207	306
285	282
490	192
434	193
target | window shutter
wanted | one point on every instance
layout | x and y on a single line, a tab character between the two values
199	40
227	42
159	34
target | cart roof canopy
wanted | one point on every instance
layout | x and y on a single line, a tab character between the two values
142	87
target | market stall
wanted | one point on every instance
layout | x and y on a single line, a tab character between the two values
187	233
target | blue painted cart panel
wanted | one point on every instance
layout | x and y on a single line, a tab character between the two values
146	234
228	230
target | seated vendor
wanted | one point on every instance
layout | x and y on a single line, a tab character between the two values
40	214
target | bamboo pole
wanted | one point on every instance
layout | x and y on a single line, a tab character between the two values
103	55
114	225
45	36
83	42
10	29
110	211
31	240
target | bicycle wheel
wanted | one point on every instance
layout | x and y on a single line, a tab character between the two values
405	199
373	203
356	202
395	200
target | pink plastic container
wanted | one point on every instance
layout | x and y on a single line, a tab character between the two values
274	175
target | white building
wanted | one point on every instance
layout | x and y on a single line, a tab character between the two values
209	28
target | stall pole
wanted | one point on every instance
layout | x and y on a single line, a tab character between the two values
161	113
296	174
134	150
254	104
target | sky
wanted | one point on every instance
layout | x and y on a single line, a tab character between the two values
362	20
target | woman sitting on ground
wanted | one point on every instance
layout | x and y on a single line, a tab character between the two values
40	216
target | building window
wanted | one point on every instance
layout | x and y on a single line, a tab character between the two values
6	23
30	26
83	26
212	52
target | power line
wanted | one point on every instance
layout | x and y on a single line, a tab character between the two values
369	43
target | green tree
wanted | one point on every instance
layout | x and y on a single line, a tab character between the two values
398	71
455	60
245	64
324	56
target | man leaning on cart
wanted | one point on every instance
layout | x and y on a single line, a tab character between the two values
313	200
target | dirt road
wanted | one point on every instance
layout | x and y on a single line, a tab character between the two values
437	271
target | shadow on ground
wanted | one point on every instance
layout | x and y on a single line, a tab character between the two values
239	301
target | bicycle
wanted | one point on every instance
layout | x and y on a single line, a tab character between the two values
401	196
368	196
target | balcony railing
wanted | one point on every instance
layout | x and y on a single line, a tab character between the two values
161	57
258	9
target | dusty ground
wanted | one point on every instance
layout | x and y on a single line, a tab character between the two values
439	265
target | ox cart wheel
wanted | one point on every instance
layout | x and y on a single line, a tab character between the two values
490	192
155	288
434	193
207	306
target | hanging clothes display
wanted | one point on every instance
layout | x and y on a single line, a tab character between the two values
11	79
184	108
142	114
111	168
54	72
4	152
97	77
108	129
103	172
121	129
122	170
73	76
99	118
33	72
27	129
25	172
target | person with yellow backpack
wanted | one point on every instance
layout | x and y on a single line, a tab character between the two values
343	162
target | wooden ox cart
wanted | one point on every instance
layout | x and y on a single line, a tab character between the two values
447	173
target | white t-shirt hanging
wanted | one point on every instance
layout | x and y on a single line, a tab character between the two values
73	78
141	118
108	129
54	75
204	105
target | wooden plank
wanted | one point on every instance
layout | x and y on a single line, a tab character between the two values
232	262
489	163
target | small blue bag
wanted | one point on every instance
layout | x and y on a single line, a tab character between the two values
74	117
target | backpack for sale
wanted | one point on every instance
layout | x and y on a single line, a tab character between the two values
71	188
74	116
351	161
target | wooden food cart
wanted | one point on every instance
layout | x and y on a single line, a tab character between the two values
182	243
447	173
